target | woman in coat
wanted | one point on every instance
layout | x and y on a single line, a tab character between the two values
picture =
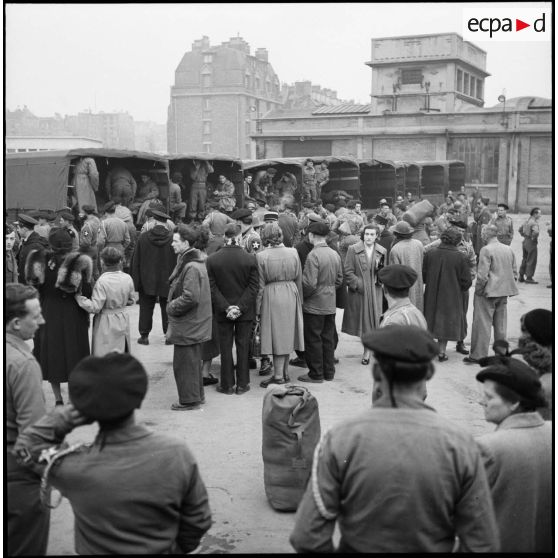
279	302
58	275
445	272
363	307
113	292
190	317
518	457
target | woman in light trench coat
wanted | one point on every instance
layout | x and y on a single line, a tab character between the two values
364	298
113	291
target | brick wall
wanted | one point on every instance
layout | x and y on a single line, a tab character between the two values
406	149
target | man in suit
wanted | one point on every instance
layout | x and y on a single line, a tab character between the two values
234	280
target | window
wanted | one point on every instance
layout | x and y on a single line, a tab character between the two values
459	85
207	58
413	75
207	127
206	103
206	80
479	89
258	83
472	89
466	84
481	157
247	81
11	150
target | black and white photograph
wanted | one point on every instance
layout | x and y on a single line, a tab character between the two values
279	278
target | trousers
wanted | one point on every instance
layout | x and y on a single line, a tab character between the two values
28	521
319	345
309	192
488	312
240	332
529	261
147	305
186	364
178	211
198	197
121	193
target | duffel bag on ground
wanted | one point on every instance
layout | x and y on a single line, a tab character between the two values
290	433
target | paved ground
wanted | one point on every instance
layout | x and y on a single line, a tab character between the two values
226	435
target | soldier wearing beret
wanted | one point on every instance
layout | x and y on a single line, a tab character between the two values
518	456
504	224
132	491
396	281
445	493
113	231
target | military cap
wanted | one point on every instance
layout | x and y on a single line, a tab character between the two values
241	213
539	323
383	201
35	214
397	276
271	170
109	205
504	205
380	219
271	216
402	342
515	375
107	388
319	228
403	228
159	215
27	221
89	209
66	215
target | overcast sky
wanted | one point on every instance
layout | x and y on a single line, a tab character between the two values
66	58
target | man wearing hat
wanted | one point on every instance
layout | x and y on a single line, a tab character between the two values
234	281
132	491
249	240
530	232
482	218
113	231
66	220
518	456
386	237
27	519
152	263
150	222
30	240
504	224
322	275
409	251
385	212
396	281
496	281
397	478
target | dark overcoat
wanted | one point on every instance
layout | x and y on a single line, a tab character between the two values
446	275
153	261
63	340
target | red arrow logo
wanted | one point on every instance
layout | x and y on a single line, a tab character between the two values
519	25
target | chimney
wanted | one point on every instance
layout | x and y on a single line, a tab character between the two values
200	44
261	54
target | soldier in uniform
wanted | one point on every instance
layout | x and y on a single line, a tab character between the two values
322	177
132	491
530	232
309	181
249	240
30	240
396	281
248	185
504	224
177	207
385	212
199	172
120	185
89	236
113	231
225	194
482	218
359	464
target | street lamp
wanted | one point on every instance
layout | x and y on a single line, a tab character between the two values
504	121
427	100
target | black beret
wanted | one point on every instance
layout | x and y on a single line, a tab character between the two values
27	221
159	215
89	209
458	222
314	218
540	325
504	205
402	342
109	205
321	229
241	213
515	375
109	387
398	276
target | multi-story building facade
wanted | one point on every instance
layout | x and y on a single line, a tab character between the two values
507	148
219	95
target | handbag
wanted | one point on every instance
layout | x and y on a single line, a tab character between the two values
256	341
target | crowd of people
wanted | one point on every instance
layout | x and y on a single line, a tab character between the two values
222	275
